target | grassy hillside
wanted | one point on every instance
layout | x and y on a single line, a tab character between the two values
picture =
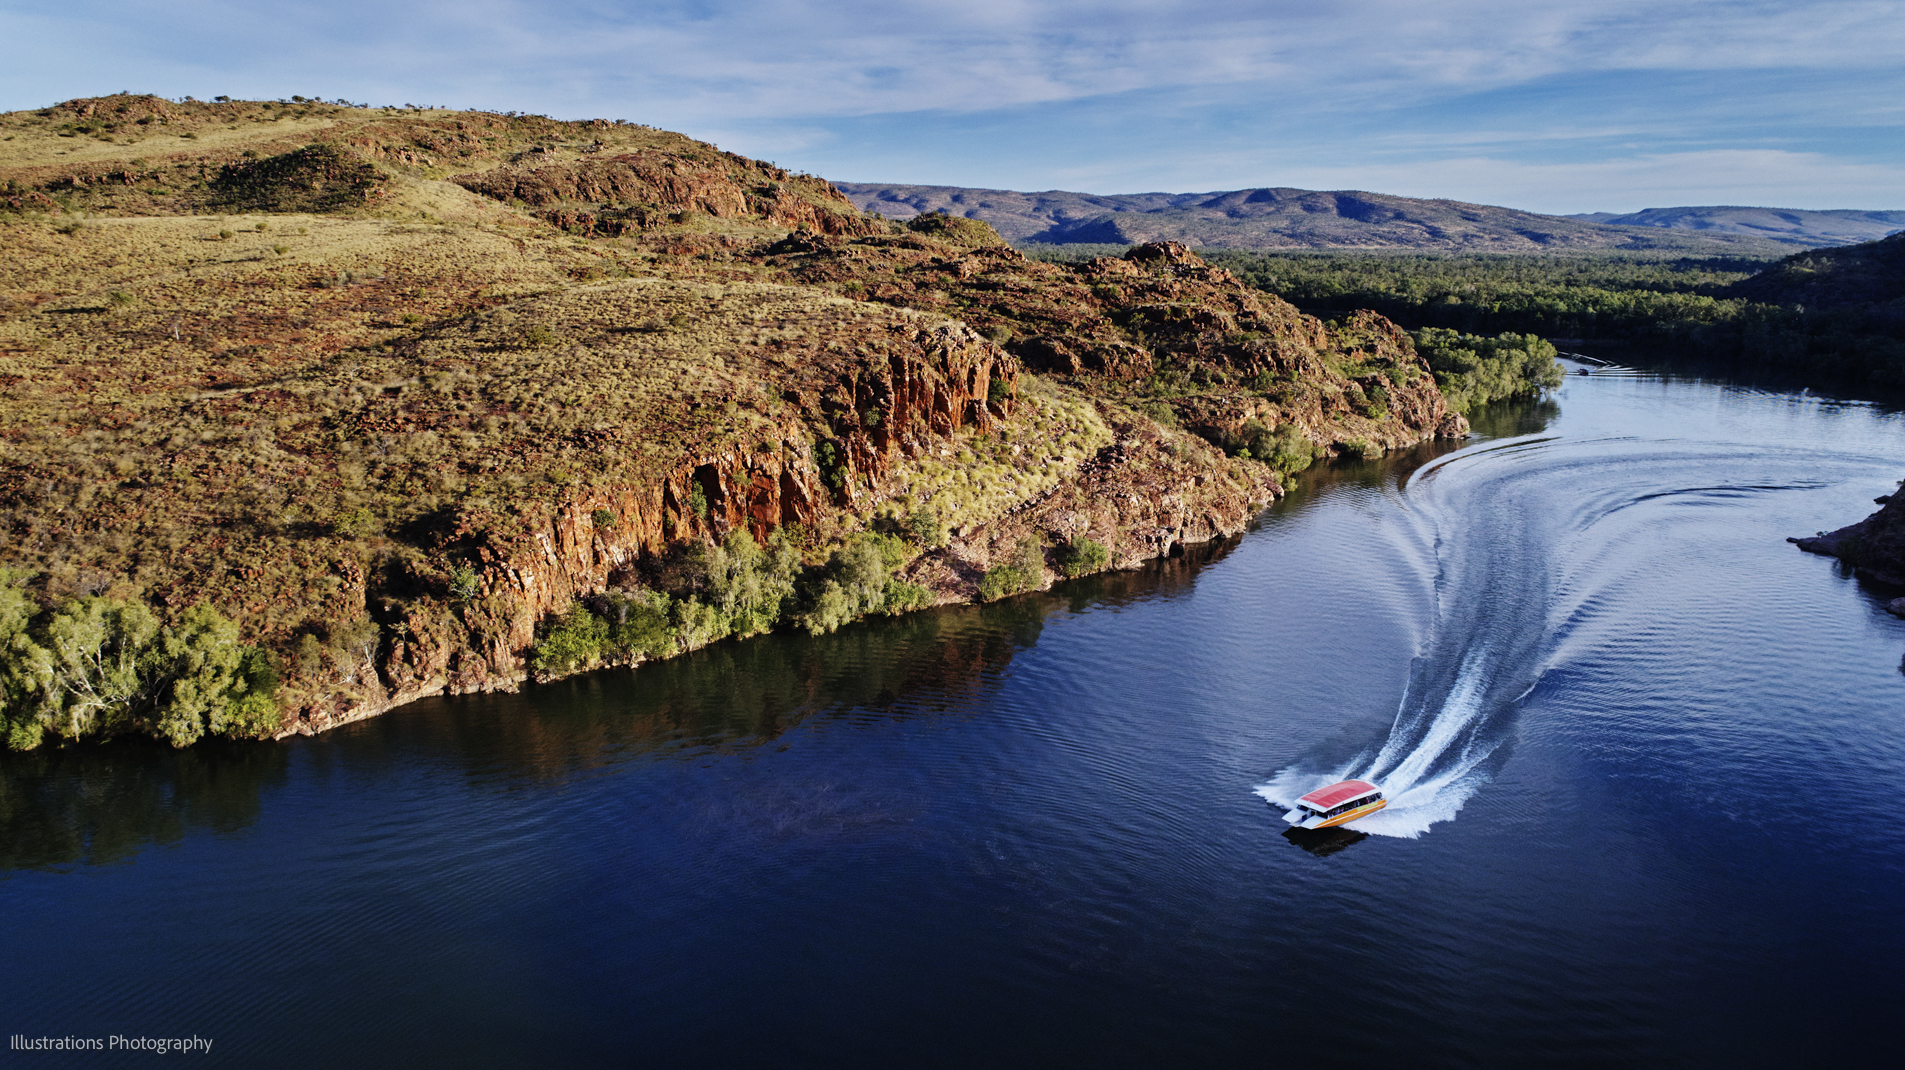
311	410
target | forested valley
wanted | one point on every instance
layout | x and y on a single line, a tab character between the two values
1833	316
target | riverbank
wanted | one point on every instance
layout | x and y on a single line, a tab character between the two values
1873	547
388	442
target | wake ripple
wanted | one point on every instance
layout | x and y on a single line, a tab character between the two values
1428	767
1524	531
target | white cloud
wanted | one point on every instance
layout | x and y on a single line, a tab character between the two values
802	57
1355	86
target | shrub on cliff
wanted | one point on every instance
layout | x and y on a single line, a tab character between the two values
99	666
925	528
1082	555
1285	448
1022	571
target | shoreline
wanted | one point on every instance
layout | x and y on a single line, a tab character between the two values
1874	548
535	678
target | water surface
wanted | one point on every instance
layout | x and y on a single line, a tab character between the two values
1645	756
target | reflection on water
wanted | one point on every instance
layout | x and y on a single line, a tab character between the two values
101	804
1504	419
741	695
1026	828
1324	842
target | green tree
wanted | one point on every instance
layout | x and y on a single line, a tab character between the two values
855	582
99	666
1471	370
18	653
638	624
751	585
94	664
201	659
574	640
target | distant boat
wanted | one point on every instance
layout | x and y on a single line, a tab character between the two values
1337	804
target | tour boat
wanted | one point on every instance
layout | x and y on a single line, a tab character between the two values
1337	804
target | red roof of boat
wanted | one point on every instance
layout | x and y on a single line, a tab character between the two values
1337	794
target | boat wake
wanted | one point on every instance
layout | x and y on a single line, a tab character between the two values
1430	764
1527	535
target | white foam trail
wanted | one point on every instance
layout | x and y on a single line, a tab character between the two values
1415	803
1458	712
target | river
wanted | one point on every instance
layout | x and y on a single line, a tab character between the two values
1645	758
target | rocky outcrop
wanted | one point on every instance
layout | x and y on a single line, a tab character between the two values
1162	328
642	189
1874	547
316	178
534	561
1148	494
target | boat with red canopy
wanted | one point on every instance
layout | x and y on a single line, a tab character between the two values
1336	804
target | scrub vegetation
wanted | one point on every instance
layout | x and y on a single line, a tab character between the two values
105	666
733	588
313	409
1472	370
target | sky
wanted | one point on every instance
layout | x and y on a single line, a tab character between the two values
1590	105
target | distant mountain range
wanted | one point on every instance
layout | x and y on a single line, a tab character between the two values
1283	218
1792	226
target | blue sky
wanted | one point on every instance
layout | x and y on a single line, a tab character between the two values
1555	107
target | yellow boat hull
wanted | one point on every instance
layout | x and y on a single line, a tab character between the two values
1351	815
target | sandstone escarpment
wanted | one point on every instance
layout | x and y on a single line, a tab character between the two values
817	441
1159	328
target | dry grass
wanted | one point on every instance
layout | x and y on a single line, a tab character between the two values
976	479
295	417
251	419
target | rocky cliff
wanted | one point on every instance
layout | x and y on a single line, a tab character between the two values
1161	329
928	386
394	391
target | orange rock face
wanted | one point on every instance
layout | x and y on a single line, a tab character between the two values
876	412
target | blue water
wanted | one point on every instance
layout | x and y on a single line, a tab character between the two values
1645	757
